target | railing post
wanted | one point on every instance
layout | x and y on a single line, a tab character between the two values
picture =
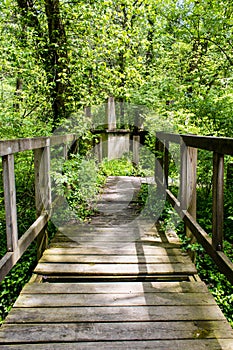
188	179
10	202
218	205
166	163
42	191
136	145
159	161
111	114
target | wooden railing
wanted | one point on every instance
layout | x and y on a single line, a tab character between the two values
41	147
185	205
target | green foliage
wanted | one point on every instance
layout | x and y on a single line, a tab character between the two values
217	283
118	167
15	280
79	183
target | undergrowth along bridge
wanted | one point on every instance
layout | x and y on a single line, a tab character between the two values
118	283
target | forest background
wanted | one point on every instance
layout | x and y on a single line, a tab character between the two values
59	57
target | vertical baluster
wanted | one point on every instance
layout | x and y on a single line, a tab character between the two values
159	162
136	146
183	176
218	205
188	186
10	202
166	163
42	191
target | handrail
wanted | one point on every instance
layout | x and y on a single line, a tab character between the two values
185	205
41	147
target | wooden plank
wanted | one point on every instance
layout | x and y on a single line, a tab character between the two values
166	163
26	144
42	192
102	238
10	202
113	269
115	287
72	332
222	145
218	205
59	139
187	194
162	136
115	259
126	250
42	179
20	145
121	246
136	147
174	344
114	314
123	299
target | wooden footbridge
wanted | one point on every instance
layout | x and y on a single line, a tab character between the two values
118	282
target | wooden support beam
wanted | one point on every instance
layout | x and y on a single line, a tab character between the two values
188	186
188	179
111	114
166	163
10	202
42	192
8	147
136	146
159	162
218	205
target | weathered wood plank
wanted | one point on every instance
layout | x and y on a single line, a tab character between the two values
174	344
222	145
115	259
114	314
117	236
114	287
218	205
10	202
111	250
109	245
133	299
20	145
102	238
42	192
27	144
115	331
113	269
162	136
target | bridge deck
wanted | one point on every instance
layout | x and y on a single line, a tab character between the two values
116	283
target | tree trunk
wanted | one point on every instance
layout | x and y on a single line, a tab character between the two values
55	57
58	59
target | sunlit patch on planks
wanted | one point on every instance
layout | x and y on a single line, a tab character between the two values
116	284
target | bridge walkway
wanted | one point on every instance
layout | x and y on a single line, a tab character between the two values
117	282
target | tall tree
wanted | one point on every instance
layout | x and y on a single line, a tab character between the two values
53	51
